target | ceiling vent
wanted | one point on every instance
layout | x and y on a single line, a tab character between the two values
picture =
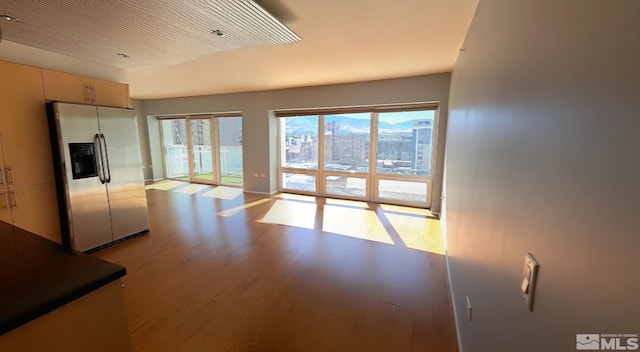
150	32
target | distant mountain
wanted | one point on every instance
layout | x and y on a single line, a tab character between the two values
343	125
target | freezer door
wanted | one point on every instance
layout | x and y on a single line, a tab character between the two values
127	198
87	201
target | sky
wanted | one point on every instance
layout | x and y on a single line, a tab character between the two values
396	117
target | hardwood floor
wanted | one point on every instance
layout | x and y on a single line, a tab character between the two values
221	271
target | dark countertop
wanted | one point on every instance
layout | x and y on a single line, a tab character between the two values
38	276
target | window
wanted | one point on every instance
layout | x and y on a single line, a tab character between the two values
379	154
203	149
345	138
299	144
230	150
404	138
175	148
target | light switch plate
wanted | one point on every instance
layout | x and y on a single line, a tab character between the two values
528	282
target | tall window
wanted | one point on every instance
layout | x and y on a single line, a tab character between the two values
404	149
230	150
347	139
175	148
380	154
299	153
203	149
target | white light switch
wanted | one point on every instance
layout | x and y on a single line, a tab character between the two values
528	285
525	285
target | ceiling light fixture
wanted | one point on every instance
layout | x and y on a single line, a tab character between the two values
9	18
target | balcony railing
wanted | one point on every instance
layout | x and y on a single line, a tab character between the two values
177	161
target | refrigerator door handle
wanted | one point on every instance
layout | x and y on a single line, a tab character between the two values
106	153
101	168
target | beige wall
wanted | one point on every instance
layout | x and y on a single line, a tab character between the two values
259	125
542	156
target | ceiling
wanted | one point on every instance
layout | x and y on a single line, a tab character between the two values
174	51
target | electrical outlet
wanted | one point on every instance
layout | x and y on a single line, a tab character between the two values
469	309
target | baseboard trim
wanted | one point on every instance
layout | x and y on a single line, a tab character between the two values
263	193
453	298
455	306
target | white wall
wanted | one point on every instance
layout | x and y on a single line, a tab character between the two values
543	156
259	125
143	136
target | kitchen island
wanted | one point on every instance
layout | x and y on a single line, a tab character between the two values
52	299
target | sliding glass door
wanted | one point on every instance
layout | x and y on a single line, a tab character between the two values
203	149
382	155
175	148
230	150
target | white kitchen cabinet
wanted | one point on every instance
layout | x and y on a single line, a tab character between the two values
70	88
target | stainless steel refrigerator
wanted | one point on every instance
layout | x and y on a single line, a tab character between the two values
97	161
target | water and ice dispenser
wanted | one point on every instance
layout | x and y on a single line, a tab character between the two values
83	160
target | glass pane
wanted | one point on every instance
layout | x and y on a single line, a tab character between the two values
346	186
404	143
299	142
230	137
202	156
174	143
346	142
299	182
403	190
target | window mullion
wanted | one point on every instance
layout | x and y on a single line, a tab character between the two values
320	182
373	157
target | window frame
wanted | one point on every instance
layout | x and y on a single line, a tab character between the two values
372	177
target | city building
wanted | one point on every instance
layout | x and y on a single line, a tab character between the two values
421	158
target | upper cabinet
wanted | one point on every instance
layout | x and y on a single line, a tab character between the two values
67	87
27	186
107	93
24	132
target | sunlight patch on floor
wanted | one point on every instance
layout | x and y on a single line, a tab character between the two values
407	210
222	192
165	185
350	203
418	233
357	223
311	199
240	208
295	214
191	189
